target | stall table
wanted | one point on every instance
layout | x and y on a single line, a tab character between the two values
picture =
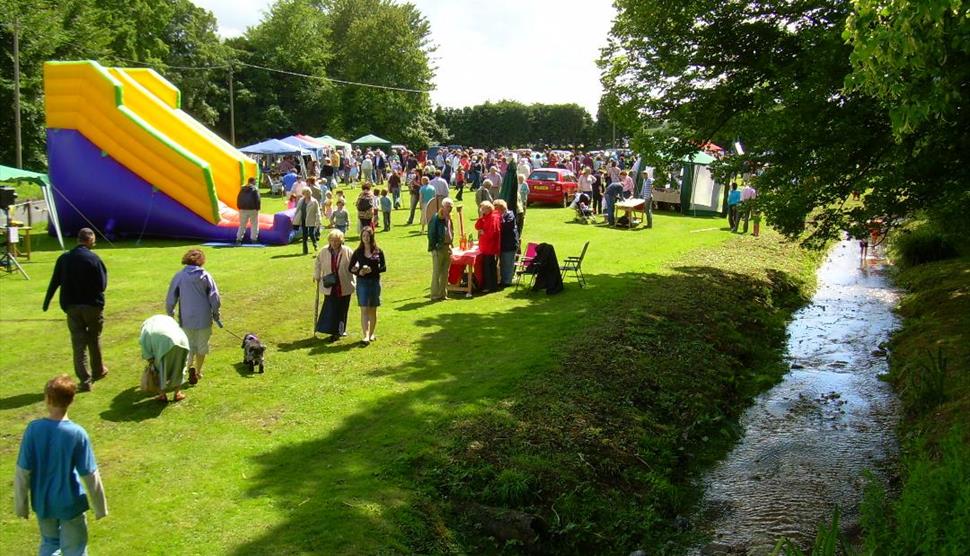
465	263
631	207
23	233
667	196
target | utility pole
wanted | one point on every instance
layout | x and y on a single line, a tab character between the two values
232	111
18	146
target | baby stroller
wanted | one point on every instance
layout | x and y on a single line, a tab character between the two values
584	212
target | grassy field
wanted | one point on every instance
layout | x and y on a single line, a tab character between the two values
305	458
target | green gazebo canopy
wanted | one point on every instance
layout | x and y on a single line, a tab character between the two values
371	141
333	142
12	175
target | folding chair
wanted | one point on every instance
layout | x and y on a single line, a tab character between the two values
522	263
575	264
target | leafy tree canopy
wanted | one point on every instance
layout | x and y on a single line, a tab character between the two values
772	75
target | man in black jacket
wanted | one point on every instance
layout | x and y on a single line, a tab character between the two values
82	278
249	204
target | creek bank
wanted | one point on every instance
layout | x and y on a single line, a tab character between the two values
930	368
597	453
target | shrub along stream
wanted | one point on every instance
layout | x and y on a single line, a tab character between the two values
598	453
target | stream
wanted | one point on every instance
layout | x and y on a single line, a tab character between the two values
808	440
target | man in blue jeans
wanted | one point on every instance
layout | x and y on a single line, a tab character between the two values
612	194
54	453
647	193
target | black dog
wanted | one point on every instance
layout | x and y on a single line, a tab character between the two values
253	352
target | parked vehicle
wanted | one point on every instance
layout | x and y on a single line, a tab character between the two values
552	185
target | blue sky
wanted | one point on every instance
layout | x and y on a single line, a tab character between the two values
553	46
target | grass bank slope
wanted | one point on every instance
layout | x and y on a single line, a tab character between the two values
929	368
596	454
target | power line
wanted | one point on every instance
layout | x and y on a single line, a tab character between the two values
275	70
341	81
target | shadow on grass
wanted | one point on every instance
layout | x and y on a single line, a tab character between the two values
292	255
133	405
330	484
20	400
351	490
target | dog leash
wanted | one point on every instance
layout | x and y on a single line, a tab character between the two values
238	337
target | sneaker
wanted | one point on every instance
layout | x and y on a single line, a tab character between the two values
104	373
193	376
84	387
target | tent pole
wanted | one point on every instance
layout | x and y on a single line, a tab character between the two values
52	211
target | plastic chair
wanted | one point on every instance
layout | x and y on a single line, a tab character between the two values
523	261
575	264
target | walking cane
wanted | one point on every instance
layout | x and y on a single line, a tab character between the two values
316	307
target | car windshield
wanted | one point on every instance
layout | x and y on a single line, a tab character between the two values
544	176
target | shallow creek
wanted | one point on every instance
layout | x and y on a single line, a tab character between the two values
808	440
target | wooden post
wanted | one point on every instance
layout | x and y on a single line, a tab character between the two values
232	112
18	146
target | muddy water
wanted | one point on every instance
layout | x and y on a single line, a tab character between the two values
808	440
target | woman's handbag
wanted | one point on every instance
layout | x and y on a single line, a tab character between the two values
330	280
149	379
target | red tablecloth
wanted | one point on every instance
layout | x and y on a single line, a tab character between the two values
460	259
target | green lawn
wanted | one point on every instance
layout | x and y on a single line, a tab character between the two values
307	457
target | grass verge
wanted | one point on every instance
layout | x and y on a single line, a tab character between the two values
928	367
597	453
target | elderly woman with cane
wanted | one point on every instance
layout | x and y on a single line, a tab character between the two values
332	276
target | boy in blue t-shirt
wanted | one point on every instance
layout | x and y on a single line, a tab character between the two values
386	206
54	454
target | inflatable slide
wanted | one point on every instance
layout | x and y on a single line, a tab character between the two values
126	159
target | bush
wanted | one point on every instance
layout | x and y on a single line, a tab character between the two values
921	244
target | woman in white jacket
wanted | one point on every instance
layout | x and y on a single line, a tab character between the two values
333	277
307	217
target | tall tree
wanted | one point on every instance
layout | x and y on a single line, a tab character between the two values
383	43
912	56
771	74
48	30
294	36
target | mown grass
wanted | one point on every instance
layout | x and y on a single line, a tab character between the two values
928	367
597	453
315	455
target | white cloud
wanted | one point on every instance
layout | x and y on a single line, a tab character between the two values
524	50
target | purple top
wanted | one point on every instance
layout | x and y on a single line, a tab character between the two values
197	296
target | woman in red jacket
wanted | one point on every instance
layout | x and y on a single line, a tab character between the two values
489	244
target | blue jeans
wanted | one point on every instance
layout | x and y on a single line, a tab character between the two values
507	266
611	210
70	536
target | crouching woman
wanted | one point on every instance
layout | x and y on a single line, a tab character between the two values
166	348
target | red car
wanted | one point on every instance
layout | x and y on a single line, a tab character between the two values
552	185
